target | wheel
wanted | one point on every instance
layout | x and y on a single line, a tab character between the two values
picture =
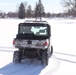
44	59
16	57
51	50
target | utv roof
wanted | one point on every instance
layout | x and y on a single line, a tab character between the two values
34	21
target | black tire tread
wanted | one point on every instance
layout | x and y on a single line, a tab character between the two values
44	60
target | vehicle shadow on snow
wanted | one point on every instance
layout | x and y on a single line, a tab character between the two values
30	67
27	67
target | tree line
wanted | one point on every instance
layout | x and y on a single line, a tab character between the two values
25	11
38	12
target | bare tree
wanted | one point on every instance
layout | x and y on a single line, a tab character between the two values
12	14
70	5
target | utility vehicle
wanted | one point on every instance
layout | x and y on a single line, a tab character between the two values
33	41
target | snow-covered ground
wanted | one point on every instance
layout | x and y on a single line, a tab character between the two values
63	61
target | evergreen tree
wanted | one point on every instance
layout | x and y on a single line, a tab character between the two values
36	8
21	12
39	10
29	11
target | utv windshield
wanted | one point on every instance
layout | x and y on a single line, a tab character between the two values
36	30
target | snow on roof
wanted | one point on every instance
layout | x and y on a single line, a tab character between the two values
35	21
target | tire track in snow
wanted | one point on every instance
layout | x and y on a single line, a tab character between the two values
31	67
36	66
52	66
66	57
37	69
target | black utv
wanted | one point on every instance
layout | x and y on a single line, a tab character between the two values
33	41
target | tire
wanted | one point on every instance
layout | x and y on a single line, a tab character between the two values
44	59
51	50
16	57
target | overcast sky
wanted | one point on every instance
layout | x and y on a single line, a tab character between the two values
53	6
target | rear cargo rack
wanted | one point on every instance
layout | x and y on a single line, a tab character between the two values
33	21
